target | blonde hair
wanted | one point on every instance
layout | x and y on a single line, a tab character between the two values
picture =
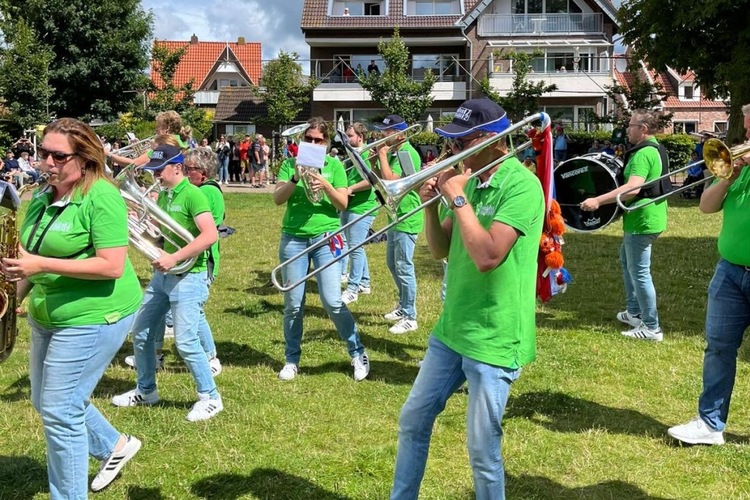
86	145
172	123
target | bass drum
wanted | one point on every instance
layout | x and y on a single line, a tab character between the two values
585	177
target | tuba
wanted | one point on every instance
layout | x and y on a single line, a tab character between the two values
10	199
136	186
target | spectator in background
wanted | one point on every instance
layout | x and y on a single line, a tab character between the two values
21	145
234	163
561	143
26	166
243	148
223	154
291	148
620	151
699	146
256	159
608	148
595	147
373	69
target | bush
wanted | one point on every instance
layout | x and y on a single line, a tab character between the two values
679	147
425	138
579	141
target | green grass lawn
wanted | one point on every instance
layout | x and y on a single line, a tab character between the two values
588	419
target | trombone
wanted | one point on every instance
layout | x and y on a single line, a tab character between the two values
390	193
718	159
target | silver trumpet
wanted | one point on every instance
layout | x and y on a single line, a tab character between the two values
136	186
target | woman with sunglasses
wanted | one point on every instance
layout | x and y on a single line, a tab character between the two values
84	295
305	224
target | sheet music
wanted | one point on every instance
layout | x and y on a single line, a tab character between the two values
311	155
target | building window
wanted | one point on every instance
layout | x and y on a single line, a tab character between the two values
433	7
686	127
223	82
372	8
443	66
720	127
688	92
545	7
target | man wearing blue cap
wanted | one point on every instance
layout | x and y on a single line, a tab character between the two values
184	293
402	238
486	331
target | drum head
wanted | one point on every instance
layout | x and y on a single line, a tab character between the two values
586	177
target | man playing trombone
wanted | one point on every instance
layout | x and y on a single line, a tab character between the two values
403	237
486	331
728	311
643	164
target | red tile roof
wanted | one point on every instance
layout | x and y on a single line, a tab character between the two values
626	79
201	57
314	15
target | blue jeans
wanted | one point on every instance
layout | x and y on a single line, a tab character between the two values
65	364
185	295
727	318
640	295
356	234
399	257
205	334
223	174
329	287
441	374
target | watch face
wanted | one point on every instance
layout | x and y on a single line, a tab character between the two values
459	201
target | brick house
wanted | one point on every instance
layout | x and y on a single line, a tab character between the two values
458	41
213	66
693	113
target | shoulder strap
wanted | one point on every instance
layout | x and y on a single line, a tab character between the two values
656	189
213	183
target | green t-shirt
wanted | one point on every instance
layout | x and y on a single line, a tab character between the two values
302	218
216	203
75	228
490	317
645	163
361	201
415	223
183	203
734	238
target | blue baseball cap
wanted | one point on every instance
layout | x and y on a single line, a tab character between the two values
392	122
162	156
476	115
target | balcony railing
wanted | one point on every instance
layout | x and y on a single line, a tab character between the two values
340	71
552	24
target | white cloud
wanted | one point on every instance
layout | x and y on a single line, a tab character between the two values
276	24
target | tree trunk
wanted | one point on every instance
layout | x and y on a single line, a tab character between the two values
740	95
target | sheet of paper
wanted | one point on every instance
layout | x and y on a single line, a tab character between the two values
311	155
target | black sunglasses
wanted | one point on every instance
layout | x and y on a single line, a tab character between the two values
460	142
57	156
314	140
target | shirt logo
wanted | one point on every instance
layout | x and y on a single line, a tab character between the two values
61	227
463	114
175	208
487	210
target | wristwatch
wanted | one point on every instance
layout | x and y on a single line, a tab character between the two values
458	201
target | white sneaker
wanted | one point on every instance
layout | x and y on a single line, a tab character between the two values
642	332
344	278
288	372
215	365
205	408
364	290
395	315
168	332
130	361
136	398
403	326
116	461
348	297
628	319
361	366
696	432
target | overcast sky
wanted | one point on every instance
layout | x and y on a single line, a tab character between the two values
273	23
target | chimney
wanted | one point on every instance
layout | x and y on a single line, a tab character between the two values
240	40
193	39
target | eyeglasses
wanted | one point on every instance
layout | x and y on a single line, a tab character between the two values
460	142
630	125
314	140
58	157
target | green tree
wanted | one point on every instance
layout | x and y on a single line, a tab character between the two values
395	89
284	89
640	94
24	77
100	50
710	37
168	96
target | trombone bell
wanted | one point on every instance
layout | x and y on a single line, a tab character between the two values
719	158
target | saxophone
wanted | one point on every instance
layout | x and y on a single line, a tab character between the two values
9	249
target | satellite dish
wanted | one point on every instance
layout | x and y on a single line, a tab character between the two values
621	64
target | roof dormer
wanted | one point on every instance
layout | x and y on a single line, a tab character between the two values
357	7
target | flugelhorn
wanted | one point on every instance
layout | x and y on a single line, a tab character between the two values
135	186
393	191
304	171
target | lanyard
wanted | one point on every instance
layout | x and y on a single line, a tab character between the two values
59	210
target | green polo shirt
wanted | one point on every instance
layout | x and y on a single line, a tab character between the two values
74	228
303	219
184	203
645	163
361	201
216	202
734	237
415	223
490	316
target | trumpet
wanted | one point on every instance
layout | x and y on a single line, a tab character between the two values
135	186
390	193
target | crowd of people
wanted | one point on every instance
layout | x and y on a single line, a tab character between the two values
84	296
